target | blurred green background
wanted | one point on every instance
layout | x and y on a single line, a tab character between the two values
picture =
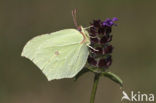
134	56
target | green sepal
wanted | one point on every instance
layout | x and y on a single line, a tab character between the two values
95	69
113	77
83	71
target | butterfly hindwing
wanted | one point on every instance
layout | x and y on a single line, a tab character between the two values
59	54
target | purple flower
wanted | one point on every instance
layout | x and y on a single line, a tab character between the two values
110	22
92	61
114	19
93	31
106	39
94	40
109	61
100	50
100	32
97	23
102	63
108	49
105	62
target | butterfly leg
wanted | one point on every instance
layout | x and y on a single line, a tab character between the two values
92	48
84	38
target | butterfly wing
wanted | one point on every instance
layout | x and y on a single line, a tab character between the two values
59	38
58	55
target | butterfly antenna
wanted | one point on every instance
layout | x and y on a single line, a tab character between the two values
74	18
74	12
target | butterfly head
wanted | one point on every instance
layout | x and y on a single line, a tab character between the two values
85	34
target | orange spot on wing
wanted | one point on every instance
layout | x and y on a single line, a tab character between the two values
57	53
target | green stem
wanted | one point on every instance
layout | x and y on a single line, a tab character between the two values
96	80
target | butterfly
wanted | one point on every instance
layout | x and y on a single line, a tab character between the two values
61	54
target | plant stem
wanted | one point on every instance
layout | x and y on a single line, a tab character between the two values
94	88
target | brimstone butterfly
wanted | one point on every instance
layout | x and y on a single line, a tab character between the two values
60	54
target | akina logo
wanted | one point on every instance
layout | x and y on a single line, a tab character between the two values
140	97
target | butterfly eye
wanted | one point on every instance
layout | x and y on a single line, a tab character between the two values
79	29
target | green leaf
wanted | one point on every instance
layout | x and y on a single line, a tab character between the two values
113	77
83	71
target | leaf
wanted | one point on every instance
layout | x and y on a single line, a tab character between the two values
113	77
83	71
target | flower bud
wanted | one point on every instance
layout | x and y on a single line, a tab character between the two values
108	49
94	40
102	63
92	61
